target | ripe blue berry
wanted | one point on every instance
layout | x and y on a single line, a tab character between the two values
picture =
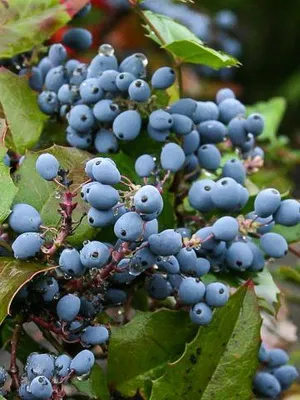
95	335
255	124
201	314
158	287
224	94
225	228
124	80
78	39
24	218
41	388
274	245
106	142
239	256
191	291
165	243
62	365
105	172
68	307
127	125
266	385
172	157
205	111
139	91
144	165
161	120
47	166
106	110
39	364
209	157
216	294
70	264
148	200
286	375
94	255
234	169
90	91
83	362
129	227
212	131
100	218
288	213
27	245
81	118
200	195
163	78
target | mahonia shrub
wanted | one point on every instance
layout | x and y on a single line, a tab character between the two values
139	251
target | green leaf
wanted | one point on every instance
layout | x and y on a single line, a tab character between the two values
21	111
289	273
183	44
13	275
139	350
27	23
95	387
267	291
197	53
273	111
45	196
169	30
8	189
290	233
222	359
167	217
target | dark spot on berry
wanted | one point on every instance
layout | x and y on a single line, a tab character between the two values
123	232
95	90
121	76
82	195
144	263
274	191
221	291
233	160
98	163
172	71
91	220
224	182
170	121
198	311
239	263
113	107
138	84
207	188
83	118
121	136
95	254
71	271
204	147
144	199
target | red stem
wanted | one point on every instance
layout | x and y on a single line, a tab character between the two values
13	369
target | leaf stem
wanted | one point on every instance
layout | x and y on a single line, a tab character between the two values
13	369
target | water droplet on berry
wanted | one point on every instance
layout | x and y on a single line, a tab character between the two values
106	50
143	58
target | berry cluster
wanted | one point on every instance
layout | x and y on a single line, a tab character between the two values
45	373
275	374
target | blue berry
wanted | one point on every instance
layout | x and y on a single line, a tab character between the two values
258	262
225	228
237	131
286	375
212	131
41	388
234	169
105	172
144	165
201	314
106	110
225	194
106	142
230	108
265	224
148	200
163	78
158	287
48	102
274	245
62	365
83	362
123	81
172	157
70	264
39	364
45	65
94	255
266	385
202	266
150	228
24	218
134	65
84	11
107	81
81	118
95	335
161	120
191	291
57	54
127	125
78	39
139	91
205	111
71	65
288	213
158	136
90	91
3	376
277	357
100	218
47	166
68	307
67	94
48	288
209	157
185	107
216	294
267	202
90	306
165	243
187	259
27	245
263	354
24	392
239	256
224	94
78	139
115	297
102	63
255	124
55	78
182	125
169	264
102	197
35	80
129	227
191	142
79	74
200	195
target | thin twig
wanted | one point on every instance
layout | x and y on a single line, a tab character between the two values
13	369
